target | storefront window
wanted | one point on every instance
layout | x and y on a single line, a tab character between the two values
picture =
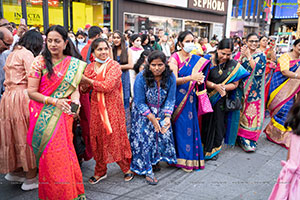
198	29
95	13
141	23
98	13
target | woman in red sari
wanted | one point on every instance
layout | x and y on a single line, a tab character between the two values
52	84
109	138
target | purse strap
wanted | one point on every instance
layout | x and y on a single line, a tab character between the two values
198	92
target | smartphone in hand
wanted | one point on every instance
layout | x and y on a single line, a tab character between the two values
23	21
74	107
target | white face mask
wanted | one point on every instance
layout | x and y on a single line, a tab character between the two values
80	40
188	47
137	44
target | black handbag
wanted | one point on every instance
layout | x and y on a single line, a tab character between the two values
232	104
77	139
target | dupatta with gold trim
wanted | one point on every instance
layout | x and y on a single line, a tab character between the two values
194	65
43	118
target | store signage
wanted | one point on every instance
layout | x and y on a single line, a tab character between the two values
286	9
178	3
218	6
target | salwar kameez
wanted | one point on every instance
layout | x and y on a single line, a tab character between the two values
109	138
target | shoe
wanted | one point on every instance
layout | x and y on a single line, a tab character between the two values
11	177
128	176
187	170
30	184
93	180
246	145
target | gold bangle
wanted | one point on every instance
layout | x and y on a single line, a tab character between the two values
46	100
54	102
296	75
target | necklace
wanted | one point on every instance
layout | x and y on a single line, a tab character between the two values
220	72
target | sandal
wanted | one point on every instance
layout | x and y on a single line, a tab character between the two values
151	180
128	176
93	180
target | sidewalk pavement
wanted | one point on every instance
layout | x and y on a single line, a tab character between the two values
236	175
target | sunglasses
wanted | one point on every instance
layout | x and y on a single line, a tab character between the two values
7	45
253	41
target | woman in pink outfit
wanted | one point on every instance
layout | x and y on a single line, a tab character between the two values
288	182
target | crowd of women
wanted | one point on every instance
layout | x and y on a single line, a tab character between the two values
137	106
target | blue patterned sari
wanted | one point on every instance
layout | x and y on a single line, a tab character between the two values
185	118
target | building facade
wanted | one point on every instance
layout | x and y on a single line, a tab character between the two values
72	14
250	16
204	18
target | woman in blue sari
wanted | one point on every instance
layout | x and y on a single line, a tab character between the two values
188	70
252	115
284	88
222	82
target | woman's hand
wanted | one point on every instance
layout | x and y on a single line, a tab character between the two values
198	77
221	89
86	81
155	122
245	52
63	105
166	126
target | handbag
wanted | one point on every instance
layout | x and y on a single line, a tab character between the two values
77	139
232	104
204	105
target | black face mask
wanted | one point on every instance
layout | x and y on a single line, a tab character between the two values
152	42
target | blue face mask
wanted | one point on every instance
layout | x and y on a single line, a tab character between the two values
101	61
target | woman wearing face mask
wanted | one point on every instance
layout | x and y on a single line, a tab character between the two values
189	76
222	82
252	115
145	40
108	127
280	101
135	50
80	40
123	57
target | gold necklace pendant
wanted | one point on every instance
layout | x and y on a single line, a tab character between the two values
220	71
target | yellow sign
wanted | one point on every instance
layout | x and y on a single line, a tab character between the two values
14	14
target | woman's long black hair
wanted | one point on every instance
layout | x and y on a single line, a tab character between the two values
70	49
148	75
181	37
224	44
133	38
124	52
140	61
32	41
293	119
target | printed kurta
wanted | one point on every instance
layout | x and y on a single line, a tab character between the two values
149	147
108	147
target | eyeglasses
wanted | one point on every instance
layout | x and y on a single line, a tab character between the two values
253	41
7	45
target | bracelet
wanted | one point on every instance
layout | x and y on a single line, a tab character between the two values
45	101
167	115
296	75
55	101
